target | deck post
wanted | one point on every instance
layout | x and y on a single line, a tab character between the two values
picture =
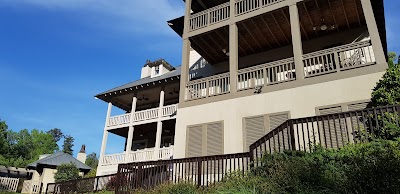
233	56
159	125
296	41
128	147
105	134
377	47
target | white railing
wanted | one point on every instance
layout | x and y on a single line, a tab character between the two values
169	110
209	86
266	74
145	114
246	6
210	16
165	153
31	187
8	184
338	59
148	154
113	159
119	120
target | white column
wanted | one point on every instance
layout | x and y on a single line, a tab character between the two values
159	125
233	56
184	70
380	56
128	147
296	41
105	134
103	146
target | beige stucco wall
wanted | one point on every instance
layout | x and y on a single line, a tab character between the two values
300	101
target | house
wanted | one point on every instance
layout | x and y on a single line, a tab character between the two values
247	67
46	167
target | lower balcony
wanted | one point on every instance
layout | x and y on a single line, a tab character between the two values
320	63
149	154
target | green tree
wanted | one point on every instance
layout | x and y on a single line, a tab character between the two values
56	133
391	58
3	137
92	160
43	143
66	172
387	89
68	144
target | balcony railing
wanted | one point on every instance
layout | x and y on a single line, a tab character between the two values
318	63
266	74
210	16
209	86
338	59
151	154
222	12
142	115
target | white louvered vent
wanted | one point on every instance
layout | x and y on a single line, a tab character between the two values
331	110
215	139
335	129
195	141
280	138
358	106
254	129
276	120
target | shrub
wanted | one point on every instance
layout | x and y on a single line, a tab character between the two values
66	172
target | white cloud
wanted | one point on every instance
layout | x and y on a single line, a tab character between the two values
131	16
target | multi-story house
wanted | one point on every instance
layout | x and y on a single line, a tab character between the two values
248	66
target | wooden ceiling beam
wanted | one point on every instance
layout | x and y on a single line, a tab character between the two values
208	55
345	15
358	15
262	34
301	25
270	31
245	27
279	26
218	45
308	15
333	15
209	46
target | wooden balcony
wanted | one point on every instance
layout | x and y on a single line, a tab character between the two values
151	154
141	117
320	63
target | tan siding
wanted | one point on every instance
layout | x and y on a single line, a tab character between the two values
195	141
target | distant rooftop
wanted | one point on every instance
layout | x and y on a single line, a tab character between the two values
57	159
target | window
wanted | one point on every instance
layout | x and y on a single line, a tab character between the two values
205	139
156	70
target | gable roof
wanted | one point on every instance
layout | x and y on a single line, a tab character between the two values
57	159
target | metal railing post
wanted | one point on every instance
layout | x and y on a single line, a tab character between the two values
199	165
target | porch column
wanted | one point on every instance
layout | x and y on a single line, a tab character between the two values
296	41
184	70
103	146
159	125
128	147
233	56
380	56
105	134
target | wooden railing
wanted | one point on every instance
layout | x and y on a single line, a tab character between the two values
143	115
246	6
119	120
338	59
210	16
169	110
8	184
201	171
209	86
266	74
328	131
148	154
85	185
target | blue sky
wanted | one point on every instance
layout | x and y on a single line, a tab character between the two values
55	55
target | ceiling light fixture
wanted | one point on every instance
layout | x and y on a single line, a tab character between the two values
143	98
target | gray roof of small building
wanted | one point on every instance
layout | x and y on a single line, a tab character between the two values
146	80
57	159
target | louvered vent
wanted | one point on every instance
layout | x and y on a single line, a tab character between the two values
214	139
195	141
335	129
254	129
358	106
331	110
281	136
